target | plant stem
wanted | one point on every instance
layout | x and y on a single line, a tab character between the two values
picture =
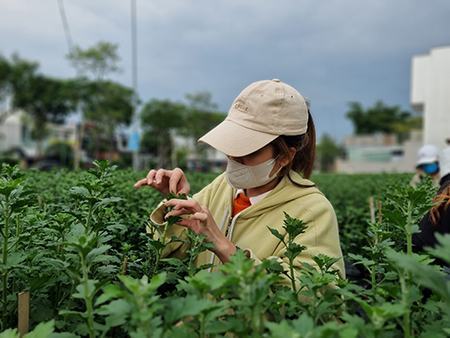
162	239
292	277
5	259
405	301
409	229
88	300
373	278
202	326
88	221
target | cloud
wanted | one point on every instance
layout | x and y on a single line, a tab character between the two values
332	51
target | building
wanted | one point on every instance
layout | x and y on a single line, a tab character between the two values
15	133
379	153
211	160
430	93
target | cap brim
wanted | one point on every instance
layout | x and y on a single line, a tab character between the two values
234	140
427	160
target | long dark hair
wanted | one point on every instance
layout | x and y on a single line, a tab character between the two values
441	204
305	155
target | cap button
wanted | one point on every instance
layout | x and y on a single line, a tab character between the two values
276	80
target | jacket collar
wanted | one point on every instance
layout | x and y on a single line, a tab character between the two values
284	192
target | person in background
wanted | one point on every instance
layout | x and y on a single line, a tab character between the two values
269	140
437	220
427	165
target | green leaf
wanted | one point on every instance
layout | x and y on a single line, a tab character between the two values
80	192
110	291
293	226
282	330
188	306
303	325
442	250
9	333
85	290
97	251
276	233
43	330
425	275
116	312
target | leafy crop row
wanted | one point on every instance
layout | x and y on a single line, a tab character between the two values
77	243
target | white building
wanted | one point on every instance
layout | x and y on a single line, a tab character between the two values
380	153
15	133
430	93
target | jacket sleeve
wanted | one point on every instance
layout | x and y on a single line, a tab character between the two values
320	237
174	249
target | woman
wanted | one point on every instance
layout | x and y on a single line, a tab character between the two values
427	165
269	139
437	220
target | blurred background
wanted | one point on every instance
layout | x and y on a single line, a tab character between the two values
138	82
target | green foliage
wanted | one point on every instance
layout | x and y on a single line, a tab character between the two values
98	60
382	118
159	118
327	153
76	241
192	120
61	151
43	98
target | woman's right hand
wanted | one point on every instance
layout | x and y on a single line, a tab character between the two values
166	181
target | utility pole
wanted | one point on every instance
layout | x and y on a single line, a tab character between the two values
79	130
135	121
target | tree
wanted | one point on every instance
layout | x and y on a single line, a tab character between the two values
14	74
327	153
5	74
201	116
97	61
159	118
106	105
382	118
43	98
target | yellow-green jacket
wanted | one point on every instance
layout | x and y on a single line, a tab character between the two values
248	229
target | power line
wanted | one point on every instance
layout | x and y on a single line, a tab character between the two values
65	24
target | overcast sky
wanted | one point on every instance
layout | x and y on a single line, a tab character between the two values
333	51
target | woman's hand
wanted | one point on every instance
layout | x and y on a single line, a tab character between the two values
166	181
200	220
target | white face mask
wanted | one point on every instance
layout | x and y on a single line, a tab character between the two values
242	176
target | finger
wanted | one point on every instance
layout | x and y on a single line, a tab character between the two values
188	204
140	183
187	223
151	176
178	212
159	175
185	189
201	216
175	178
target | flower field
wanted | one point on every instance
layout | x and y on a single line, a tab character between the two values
76	244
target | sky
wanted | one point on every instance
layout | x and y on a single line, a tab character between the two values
333	52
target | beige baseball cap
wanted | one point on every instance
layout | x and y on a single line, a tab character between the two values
262	111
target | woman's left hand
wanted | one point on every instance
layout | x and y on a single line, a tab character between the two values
200	220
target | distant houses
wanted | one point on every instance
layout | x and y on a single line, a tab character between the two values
379	153
430	95
15	133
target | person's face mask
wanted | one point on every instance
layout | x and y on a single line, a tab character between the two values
430	168
242	176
